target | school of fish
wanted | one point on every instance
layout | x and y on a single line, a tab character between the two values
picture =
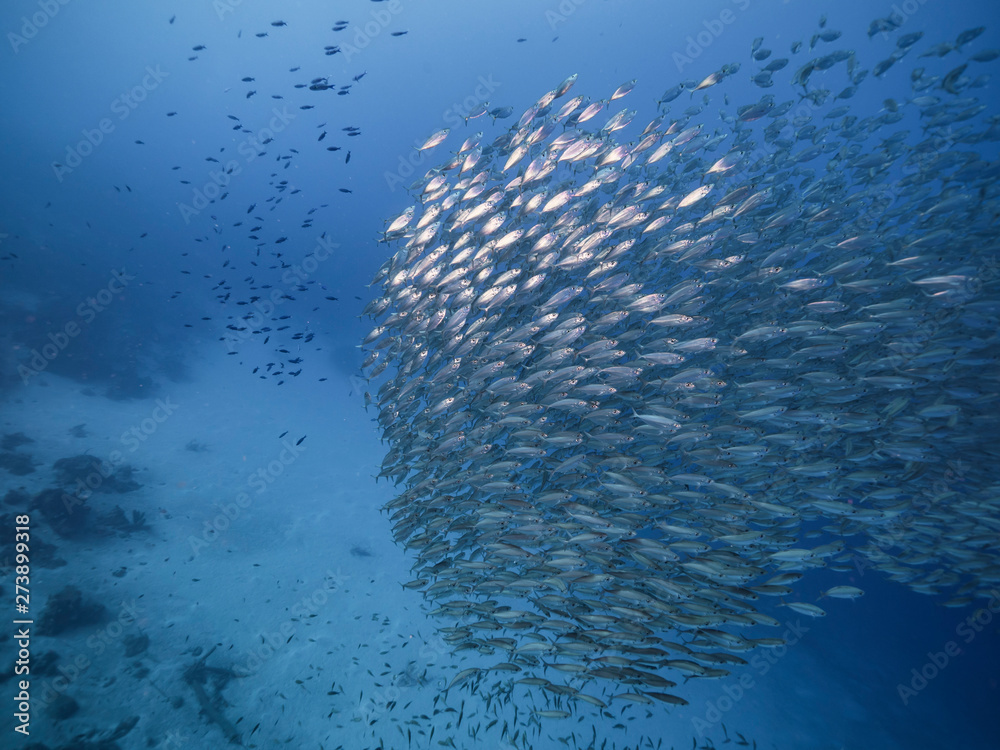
633	390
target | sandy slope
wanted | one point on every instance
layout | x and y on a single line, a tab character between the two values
297	588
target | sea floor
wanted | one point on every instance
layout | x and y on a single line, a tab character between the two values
265	578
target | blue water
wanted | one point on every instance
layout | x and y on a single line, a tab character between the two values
123	279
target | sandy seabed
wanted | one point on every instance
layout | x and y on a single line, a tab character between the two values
268	584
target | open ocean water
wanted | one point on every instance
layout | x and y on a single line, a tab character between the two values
517	374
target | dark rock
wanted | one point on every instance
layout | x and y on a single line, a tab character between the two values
18	464
124	727
16	497
94	474
135	645
62	708
45	554
45	664
66	610
14	440
66	513
117	519
68	470
121	481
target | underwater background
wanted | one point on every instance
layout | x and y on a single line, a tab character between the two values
196	203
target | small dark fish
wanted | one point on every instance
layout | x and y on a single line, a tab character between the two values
299	441
250	93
